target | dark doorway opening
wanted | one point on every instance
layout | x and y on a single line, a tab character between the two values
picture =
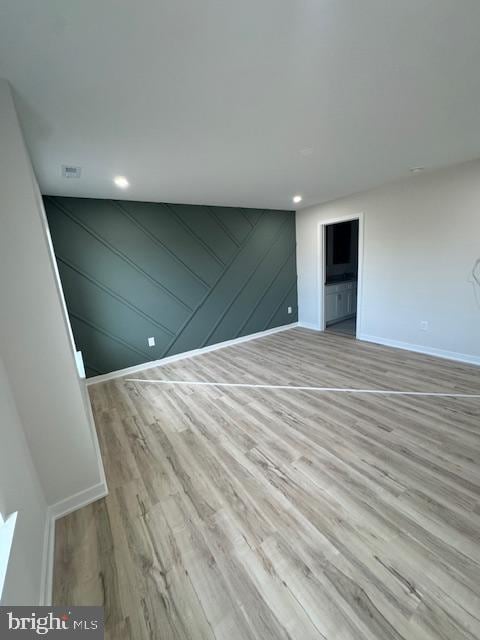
341	277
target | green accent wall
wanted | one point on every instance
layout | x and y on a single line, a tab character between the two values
190	276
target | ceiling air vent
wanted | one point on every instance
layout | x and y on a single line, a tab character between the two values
71	172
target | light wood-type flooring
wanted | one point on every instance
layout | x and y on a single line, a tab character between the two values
247	513
345	327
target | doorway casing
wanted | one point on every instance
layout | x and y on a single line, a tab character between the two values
321	254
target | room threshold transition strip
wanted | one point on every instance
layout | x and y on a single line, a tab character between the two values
306	388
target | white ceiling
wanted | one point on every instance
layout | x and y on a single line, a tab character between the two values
213	101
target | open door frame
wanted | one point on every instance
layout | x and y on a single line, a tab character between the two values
321	253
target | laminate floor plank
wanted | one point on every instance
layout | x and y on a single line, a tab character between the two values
256	514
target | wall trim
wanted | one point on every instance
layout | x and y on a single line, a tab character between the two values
417	348
407	346
78	500
54	512
187	354
309	325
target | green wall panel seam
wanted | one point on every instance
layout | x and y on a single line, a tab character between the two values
196	236
121	255
157	240
223	226
109	335
264	293
292	286
115	295
207	295
99	372
245	217
259	262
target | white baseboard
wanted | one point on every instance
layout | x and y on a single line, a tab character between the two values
54	512
309	325
429	351
186	354
78	500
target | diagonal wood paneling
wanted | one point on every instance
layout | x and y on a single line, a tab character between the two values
187	275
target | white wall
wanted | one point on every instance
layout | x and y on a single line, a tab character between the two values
34	338
20	491
421	239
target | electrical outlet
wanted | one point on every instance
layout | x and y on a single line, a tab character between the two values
151	342
289	309
424	325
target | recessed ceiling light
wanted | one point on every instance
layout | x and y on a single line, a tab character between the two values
121	182
417	169
297	199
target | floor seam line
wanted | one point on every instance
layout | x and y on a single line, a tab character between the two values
305	388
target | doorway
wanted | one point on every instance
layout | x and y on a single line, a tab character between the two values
341	255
